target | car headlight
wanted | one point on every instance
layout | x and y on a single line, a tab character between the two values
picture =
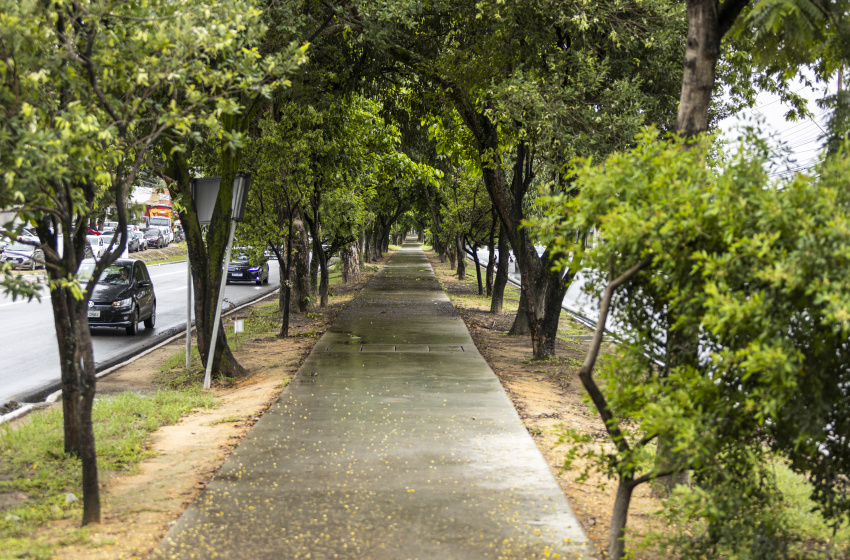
254	269
123	303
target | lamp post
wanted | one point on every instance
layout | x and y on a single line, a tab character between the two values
241	184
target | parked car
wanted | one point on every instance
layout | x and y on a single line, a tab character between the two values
243	270
111	238
122	297
167	236
133	244
95	242
23	255
154	238
29	236
139	236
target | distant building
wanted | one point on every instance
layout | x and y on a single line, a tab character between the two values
159	204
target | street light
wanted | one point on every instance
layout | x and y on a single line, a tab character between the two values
238	203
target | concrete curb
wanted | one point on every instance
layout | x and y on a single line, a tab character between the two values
17	413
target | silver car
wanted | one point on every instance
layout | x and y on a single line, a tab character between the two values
23	255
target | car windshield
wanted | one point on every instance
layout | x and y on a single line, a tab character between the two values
241	258
116	274
152	232
107	239
17	246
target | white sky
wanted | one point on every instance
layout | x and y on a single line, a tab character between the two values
802	137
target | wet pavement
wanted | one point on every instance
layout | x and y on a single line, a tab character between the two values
394	441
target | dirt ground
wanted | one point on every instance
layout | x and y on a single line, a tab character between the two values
139	508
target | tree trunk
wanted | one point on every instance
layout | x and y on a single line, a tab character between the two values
450	252
501	280
286	285
461	257
350	263
521	325
206	254
477	270
619	517
491	257
300	279
324	279
701	54
556	290
314	269
88	452
367	247
78	389
63	303
508	201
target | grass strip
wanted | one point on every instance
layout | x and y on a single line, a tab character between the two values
36	477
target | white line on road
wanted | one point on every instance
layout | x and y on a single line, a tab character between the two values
43	299
167	274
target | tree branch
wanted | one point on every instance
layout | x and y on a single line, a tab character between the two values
586	371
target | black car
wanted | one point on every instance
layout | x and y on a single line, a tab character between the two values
243	270
154	238
123	296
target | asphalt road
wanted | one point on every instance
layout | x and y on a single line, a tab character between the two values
29	357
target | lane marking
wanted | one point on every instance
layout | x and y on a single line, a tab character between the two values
167	274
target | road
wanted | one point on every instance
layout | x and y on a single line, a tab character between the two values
29	358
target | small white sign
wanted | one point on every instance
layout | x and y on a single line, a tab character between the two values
239	325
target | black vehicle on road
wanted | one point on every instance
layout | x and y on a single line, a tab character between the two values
243	270
123	296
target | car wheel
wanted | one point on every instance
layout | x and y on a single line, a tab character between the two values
33	265
266	281
151	321
134	322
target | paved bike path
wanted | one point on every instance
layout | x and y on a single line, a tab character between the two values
394	441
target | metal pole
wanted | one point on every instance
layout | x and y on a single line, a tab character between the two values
188	311
208	375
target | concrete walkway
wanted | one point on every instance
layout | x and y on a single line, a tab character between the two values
394	441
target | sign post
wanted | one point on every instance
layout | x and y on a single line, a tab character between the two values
204	193
241	184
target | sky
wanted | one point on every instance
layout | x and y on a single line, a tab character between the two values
803	138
